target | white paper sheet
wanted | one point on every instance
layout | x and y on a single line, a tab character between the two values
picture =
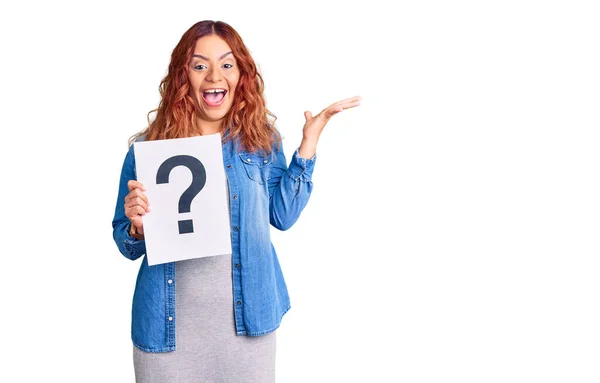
204	211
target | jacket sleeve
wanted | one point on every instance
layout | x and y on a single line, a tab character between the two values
129	246
289	188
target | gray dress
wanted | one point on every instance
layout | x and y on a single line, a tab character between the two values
207	347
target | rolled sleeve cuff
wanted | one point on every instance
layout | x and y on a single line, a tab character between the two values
301	168
133	246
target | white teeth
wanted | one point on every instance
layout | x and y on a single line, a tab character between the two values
215	91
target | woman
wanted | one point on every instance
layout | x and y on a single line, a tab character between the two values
214	319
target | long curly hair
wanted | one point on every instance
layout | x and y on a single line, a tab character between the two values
249	121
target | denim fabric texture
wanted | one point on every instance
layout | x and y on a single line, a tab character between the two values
263	191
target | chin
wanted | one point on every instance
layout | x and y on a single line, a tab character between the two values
212	116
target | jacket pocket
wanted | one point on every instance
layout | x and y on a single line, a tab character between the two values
257	166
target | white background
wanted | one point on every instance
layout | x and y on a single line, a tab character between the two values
452	235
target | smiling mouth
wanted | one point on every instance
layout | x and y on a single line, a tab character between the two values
214	97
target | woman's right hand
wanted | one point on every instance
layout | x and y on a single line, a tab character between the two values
136	205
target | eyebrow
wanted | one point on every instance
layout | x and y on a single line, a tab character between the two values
206	58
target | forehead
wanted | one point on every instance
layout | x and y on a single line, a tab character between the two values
211	46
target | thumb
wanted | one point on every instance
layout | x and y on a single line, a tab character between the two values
308	115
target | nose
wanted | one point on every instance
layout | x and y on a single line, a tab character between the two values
214	75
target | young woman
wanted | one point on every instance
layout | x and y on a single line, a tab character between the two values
213	319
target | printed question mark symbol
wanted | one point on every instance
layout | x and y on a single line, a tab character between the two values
198	182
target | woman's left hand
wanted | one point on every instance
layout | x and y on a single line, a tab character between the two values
314	125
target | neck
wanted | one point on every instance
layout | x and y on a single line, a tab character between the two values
206	127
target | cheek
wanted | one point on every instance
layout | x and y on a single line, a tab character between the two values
234	90
194	82
233	80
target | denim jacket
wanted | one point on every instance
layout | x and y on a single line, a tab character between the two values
263	190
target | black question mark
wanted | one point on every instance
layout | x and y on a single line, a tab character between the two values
198	182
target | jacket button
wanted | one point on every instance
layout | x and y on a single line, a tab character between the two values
170	319
239	302
237	265
170	281
235	228
249	160
234	197
229	166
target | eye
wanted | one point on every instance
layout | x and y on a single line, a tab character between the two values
228	66
200	67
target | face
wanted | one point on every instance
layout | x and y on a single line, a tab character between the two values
213	75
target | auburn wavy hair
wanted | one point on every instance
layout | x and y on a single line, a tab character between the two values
249	121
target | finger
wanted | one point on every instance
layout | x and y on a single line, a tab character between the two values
138	223
133	184
308	116
136	193
137	201
134	212
346	101
333	110
340	106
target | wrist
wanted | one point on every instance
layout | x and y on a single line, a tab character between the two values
308	148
